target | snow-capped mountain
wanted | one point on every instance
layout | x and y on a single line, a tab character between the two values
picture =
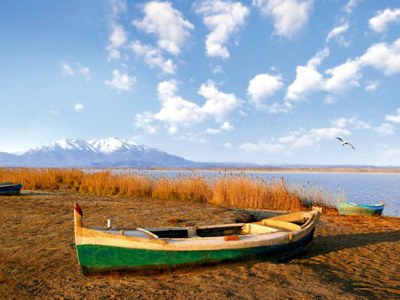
109	152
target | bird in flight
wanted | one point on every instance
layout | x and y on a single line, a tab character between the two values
345	143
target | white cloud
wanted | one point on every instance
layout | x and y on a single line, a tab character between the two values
153	57
145	121
336	33
226	126
167	24
381	56
348	8
218	103
297	140
290	16
176	110
308	79
118	36
343	77
121	82
394	118
371	86
382	19
78	107
67	70
263	86
228	145
302	138
223	18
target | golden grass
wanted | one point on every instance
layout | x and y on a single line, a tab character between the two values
226	189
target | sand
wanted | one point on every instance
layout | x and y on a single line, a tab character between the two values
350	257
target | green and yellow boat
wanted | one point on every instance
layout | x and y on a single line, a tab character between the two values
104	250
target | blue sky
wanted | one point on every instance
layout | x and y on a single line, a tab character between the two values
263	81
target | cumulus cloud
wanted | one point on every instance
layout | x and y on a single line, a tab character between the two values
78	107
218	104
121	82
176	111
380	22
263	86
381	56
167	24
223	18
118	36
289	16
308	79
153	57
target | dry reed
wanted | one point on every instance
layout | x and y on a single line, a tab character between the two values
226	189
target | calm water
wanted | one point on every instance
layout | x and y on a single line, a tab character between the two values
369	188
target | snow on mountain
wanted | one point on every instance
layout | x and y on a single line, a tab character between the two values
109	152
112	144
66	144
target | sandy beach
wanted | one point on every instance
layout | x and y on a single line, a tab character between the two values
350	257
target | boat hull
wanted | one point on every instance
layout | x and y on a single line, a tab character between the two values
351	209
14	189
101	258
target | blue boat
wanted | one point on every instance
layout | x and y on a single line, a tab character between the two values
9	188
350	208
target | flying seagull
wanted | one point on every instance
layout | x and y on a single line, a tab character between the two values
345	143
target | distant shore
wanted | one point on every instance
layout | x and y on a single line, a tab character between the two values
288	169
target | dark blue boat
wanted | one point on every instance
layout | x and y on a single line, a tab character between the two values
9	188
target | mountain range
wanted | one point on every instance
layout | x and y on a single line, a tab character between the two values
109	152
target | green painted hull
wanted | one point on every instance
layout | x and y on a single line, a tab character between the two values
346	209
96	258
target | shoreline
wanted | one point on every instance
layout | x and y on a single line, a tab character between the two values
347	259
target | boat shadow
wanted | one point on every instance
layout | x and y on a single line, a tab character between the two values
322	245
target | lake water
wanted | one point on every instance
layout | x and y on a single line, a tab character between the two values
369	188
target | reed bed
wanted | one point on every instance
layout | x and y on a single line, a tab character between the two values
226	189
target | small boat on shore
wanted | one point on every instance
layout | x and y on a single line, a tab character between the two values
110	249
350	208
9	188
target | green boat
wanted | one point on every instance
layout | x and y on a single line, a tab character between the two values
104	250
350	208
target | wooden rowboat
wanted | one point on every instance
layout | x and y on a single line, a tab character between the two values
349	208
100	250
9	188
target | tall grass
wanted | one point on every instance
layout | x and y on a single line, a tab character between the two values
225	190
